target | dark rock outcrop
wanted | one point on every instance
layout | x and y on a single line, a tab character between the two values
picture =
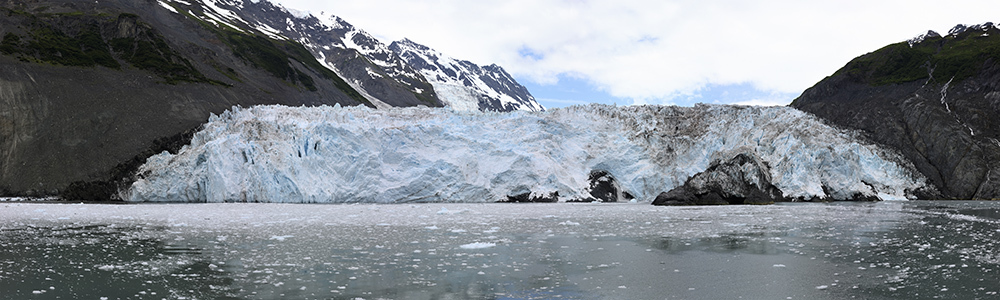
605	188
934	98
744	179
528	197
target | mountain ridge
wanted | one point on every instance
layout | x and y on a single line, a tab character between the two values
387	75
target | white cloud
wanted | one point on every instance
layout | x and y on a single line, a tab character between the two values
764	102
655	51
560	102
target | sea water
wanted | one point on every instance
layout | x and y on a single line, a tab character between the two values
884	250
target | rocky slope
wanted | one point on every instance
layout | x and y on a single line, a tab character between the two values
935	98
88	89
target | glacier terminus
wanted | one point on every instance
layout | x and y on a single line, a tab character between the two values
398	155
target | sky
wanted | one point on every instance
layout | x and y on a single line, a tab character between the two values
675	52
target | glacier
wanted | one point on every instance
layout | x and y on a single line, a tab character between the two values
395	155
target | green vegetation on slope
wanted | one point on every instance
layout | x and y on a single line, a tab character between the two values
265	54
148	51
957	57
275	56
44	42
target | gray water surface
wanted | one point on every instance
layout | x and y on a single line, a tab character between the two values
885	250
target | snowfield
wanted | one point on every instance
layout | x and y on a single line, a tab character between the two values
356	154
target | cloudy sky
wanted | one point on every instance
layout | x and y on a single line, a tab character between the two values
661	51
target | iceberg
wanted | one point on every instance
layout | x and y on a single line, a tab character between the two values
395	155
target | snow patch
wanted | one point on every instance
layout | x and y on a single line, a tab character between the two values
298	13
478	245
268	31
167	6
354	83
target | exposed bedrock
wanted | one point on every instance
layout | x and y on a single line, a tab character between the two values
935	99
744	179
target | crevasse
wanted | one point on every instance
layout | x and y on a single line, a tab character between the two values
356	154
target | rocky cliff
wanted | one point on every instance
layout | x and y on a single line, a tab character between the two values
87	87
934	98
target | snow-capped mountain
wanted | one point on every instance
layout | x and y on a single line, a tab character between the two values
357	154
365	62
464	85
385	75
953	32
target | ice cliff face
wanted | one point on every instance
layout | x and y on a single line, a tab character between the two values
464	85
356	154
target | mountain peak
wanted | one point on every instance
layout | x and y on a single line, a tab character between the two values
920	38
962	28
954	32
408	43
958	29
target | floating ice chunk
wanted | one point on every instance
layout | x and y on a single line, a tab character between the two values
281	237
477	245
